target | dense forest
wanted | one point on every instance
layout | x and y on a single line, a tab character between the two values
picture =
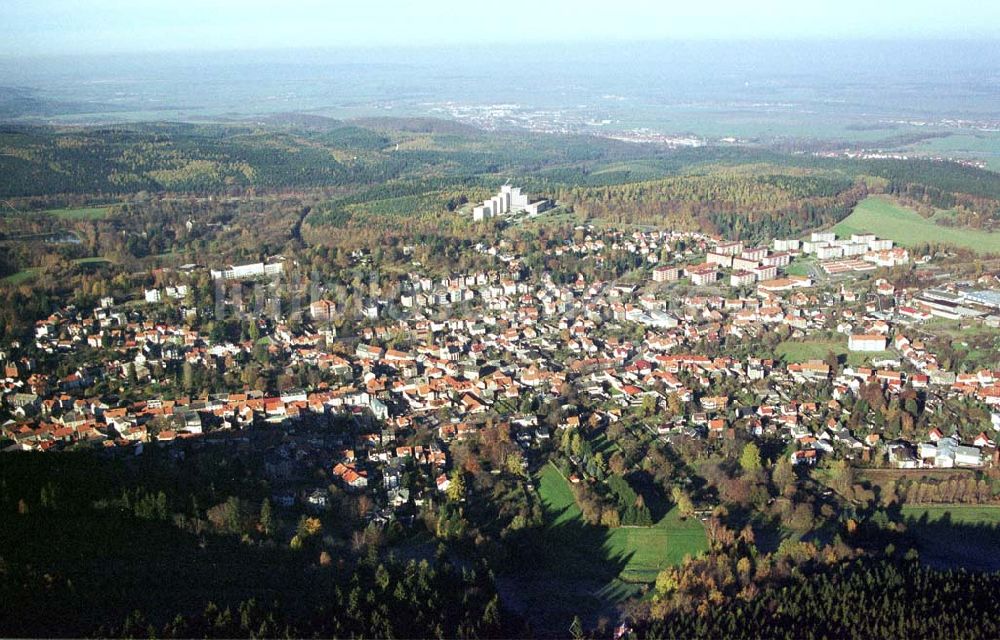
730	203
859	599
110	547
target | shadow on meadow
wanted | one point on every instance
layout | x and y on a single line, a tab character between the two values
564	569
946	543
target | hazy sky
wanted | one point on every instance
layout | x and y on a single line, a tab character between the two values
30	27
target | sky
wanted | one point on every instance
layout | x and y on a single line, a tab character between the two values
61	27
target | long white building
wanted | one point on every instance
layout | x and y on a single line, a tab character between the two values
243	271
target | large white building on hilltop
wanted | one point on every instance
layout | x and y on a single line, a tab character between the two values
508	200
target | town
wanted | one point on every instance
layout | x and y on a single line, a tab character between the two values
436	320
431	363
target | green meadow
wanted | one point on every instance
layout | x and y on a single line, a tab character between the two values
887	219
21	276
574	568
27	274
644	551
80	213
953	536
810	350
819	348
958	513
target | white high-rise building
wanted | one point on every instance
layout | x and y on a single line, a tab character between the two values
508	200
516	201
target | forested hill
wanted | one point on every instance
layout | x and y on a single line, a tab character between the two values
300	151
747	192
277	153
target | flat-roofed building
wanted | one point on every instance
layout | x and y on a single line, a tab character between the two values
322	310
741	278
829	252
666	274
985	298
246	271
721	259
777	259
866	342
703	276
729	248
765	272
854	249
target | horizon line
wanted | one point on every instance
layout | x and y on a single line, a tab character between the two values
508	45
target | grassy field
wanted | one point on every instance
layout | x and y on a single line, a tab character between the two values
960	513
651	549
82	213
558	215
798	268
886	219
97	260
957	329
27	274
573	568
810	349
977	345
953	536
818	348
644	550
21	276
557	496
